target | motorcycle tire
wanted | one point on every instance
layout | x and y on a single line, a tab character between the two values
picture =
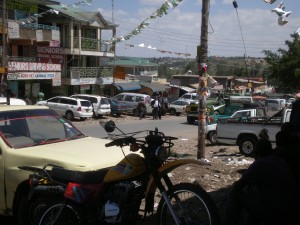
70	214
196	206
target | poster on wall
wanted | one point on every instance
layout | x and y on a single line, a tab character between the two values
39	35
35	89
13	30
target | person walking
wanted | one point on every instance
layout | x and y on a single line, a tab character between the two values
156	108
141	109
40	95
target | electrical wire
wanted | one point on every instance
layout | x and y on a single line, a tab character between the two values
235	5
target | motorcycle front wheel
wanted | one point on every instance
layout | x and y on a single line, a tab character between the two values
60	214
191	203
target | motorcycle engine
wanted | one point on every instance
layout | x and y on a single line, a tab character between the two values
117	202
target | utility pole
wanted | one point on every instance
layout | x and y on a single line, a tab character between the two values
202	90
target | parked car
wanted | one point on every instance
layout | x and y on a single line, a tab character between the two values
101	105
132	99
35	136
117	108
177	107
69	107
13	101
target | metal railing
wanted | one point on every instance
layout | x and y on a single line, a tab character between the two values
84	72
93	44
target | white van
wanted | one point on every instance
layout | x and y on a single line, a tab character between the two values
101	105
132	99
274	104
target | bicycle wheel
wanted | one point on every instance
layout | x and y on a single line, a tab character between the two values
56	214
194	207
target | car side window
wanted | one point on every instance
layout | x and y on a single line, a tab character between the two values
119	97
54	100
129	98
139	99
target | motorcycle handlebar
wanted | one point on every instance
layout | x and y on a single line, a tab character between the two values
121	142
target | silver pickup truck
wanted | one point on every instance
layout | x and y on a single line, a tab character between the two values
244	133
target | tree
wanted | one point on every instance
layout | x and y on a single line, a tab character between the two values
285	66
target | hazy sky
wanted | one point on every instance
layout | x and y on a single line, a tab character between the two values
179	30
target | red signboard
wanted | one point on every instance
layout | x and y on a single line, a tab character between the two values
47	54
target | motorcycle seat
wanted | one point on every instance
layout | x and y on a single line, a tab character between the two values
65	176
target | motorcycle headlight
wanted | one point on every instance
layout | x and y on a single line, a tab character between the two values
161	153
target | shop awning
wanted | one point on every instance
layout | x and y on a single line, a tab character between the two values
131	86
187	89
155	87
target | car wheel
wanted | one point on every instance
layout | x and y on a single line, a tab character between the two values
118	114
82	118
212	137
69	115
246	146
172	112
191	120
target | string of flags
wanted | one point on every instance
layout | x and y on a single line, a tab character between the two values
159	50
158	13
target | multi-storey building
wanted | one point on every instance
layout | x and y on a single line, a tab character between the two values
52	47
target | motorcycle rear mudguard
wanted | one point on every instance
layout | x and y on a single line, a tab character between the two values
163	171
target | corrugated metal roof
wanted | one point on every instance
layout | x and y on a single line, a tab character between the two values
131	86
155	87
82	15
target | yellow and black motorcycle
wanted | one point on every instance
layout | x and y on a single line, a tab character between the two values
126	193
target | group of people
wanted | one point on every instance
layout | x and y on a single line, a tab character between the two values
269	190
157	104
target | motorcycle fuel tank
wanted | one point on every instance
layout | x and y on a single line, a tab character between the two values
132	165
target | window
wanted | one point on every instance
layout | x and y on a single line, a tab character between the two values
104	101
139	99
129	98
119	97
85	103
54	100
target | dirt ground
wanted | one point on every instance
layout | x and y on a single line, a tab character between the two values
225	166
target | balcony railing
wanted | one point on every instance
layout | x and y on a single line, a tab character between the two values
36	26
21	59
92	44
84	72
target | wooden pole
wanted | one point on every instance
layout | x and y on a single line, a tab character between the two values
202	90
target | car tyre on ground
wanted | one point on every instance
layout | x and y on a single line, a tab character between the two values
172	112
69	115
212	137
246	146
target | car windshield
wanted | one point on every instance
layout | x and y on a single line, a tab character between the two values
25	128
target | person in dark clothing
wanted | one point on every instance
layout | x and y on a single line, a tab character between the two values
141	109
287	147
266	191
295	113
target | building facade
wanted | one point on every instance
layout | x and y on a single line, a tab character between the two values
53	48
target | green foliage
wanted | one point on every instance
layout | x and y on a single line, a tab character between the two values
285	67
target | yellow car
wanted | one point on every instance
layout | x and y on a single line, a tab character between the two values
36	136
